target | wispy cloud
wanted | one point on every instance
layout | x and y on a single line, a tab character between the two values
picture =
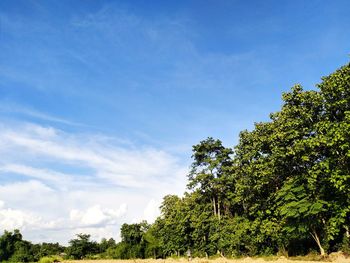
45	175
6	107
123	167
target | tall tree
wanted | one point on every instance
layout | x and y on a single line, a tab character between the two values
211	161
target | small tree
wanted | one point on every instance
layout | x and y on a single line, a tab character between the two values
81	247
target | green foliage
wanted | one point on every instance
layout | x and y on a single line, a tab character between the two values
284	189
210	173
287	182
49	249
81	247
106	244
345	245
137	242
51	259
14	249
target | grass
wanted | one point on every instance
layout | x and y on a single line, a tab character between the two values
301	259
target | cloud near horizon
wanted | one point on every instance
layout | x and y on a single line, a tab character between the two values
56	181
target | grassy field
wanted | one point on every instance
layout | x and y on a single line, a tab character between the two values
332	258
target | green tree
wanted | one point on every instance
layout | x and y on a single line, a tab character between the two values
170	232
49	249
133	244
211	160
81	247
22	252
106	244
153	243
334	138
8	243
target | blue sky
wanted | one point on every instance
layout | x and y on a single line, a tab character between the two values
101	101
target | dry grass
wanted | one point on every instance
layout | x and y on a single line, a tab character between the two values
337	259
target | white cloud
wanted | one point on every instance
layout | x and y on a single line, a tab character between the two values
12	219
56	184
31	187
99	233
15	108
17	219
151	211
97	216
41	174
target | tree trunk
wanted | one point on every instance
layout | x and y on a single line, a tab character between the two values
318	242
214	206
219	215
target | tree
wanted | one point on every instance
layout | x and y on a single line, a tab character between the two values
8	243
22	252
153	245
133	243
106	244
81	247
170	232
334	138
208	172
50	249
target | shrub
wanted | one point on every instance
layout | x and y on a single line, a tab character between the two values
50	259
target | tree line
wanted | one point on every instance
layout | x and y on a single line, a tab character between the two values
13	248
283	189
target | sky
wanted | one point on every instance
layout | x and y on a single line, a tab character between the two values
101	101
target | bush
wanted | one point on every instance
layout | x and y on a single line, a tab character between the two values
50	259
